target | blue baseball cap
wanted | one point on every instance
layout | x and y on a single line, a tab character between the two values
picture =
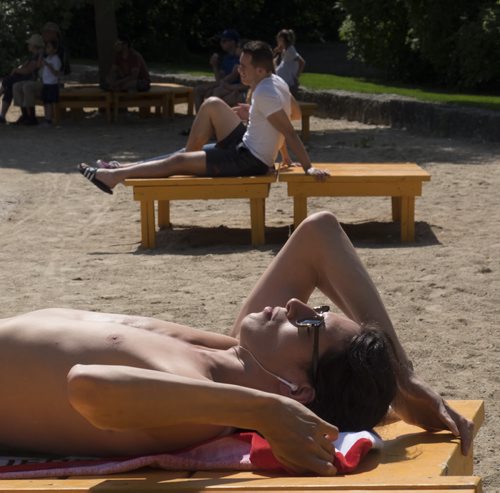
230	34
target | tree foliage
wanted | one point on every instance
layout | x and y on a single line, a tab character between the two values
453	42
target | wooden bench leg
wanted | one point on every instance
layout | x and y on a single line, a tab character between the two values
55	113
148	233
257	219
407	220
109	117
190	109
305	128
396	208
299	209
164	214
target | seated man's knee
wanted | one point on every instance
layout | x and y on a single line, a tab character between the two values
213	102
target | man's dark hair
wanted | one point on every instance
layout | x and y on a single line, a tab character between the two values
355	386
261	53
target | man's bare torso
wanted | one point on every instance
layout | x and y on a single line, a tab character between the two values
37	350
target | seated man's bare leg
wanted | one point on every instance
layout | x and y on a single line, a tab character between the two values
188	163
202	92
215	118
318	255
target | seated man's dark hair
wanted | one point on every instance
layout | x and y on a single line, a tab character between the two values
261	53
355	386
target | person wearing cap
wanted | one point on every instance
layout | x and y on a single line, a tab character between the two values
223	67
27	71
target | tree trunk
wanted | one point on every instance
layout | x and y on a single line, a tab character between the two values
106	32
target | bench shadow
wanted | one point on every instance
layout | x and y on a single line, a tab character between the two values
183	239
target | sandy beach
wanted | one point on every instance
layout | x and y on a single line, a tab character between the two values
65	243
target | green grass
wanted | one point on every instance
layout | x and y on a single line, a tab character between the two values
352	84
198	66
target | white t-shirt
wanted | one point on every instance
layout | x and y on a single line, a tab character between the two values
47	76
289	66
261	138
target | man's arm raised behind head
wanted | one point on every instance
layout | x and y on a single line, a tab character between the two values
123	398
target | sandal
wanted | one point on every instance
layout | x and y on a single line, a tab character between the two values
90	173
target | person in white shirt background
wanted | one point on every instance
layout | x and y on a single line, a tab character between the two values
50	71
289	64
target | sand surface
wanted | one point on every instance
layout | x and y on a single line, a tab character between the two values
64	243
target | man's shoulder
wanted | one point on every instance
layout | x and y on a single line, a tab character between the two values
272	84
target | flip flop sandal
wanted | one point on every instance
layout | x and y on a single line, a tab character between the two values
90	173
107	164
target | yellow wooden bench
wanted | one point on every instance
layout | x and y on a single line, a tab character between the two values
411	461
79	97
307	109
161	96
400	181
180	94
163	190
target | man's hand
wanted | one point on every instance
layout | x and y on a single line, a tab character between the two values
319	174
242	110
299	439
416	403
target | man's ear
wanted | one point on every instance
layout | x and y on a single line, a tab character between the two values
304	394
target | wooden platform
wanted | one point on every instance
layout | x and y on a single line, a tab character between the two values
79	97
400	181
163	190
411	461
162	98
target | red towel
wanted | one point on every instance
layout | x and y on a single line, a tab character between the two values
241	451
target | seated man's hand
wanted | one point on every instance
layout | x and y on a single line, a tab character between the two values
319	174
417	404
242	110
299	439
288	164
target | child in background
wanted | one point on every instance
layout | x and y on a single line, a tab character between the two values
51	69
289	64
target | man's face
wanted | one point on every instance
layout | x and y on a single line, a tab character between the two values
249	74
276	340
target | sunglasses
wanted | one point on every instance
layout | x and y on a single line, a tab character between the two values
314	323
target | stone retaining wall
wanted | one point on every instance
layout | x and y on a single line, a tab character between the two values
440	120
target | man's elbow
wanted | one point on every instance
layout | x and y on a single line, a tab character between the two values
86	392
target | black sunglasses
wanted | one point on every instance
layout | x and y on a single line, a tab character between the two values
315	323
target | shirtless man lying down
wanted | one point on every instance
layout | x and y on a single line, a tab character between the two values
84	383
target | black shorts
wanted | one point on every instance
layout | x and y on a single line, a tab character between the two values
50	93
231	158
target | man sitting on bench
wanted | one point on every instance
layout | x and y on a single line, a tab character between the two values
240	150
83	383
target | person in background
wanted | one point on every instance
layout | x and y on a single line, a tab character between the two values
289	64
129	71
225	70
26	72
51	69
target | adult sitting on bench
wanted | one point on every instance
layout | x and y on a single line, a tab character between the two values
82	383
240	150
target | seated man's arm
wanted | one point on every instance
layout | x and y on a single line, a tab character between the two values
122	398
280	121
296	113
